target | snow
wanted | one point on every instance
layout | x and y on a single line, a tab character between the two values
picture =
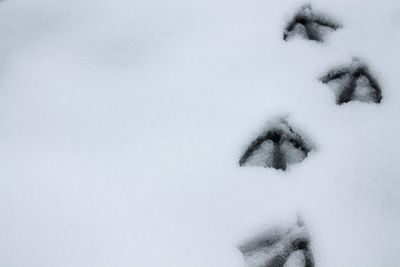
122	124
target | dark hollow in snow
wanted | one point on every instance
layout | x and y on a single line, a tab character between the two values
280	247
277	147
354	83
309	25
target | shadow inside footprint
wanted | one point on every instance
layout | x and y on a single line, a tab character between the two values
280	247
309	25
277	147
353	83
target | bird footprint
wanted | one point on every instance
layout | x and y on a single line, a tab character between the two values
309	25
353	83
277	147
280	247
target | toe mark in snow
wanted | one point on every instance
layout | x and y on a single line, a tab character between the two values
353	83
277	147
280	247
309	25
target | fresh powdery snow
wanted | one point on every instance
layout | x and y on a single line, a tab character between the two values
124	128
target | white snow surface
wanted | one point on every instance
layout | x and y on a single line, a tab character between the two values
122	123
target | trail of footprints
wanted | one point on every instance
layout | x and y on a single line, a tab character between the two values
280	145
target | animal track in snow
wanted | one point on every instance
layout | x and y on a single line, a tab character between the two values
280	247
353	83
277	147
309	25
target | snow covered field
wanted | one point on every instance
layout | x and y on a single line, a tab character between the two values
122	124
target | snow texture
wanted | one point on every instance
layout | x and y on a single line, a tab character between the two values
122	122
